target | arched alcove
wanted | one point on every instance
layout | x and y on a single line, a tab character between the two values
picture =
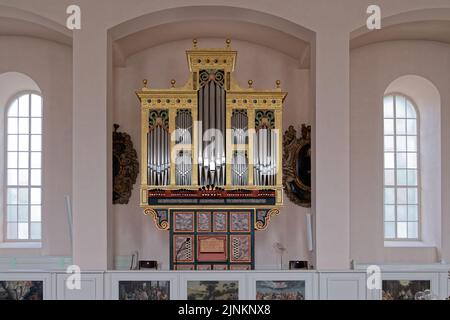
153	47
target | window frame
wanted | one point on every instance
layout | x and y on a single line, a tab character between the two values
419	237
4	208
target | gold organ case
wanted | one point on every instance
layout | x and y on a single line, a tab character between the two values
211	144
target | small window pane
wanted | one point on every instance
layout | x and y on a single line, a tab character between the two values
12	213
401	143
23	177
401	177
412	143
23	213
35	232
23	160
36	105
389	213
35	213
24	126
401	195
12	231
389	196
412	196
402	213
412	230
389	143
23	196
23	142
411	126
412	177
35	195
389	230
23	231
389	160
12	143
401	160
402	230
389	177
412	213
400	126
36	160
400	107
36	126
410	110
13	127
388	126
12	177
389	107
12	159
24	106
35	143
13	109
412	160
35	177
12	195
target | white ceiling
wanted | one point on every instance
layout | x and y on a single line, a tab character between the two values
236	30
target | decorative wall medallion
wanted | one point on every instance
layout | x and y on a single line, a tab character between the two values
297	165
125	166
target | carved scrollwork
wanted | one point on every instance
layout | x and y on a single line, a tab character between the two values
125	166
297	165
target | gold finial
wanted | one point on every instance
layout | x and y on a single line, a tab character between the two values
278	82
172	82
250	83
228	42
194	42
145	83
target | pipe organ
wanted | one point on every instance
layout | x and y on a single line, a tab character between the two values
211	162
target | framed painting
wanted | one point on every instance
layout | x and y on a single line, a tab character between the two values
283	285
143	285
212	285
404	285
26	286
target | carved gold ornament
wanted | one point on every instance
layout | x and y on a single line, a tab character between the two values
297	166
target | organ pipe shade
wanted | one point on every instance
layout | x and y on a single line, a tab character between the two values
211	115
158	141
265	149
183	136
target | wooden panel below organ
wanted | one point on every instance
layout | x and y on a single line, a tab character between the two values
212	239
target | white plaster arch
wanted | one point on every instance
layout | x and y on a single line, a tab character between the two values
18	22
426	24
184	23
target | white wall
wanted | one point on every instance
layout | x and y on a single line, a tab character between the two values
160	64
50	66
373	68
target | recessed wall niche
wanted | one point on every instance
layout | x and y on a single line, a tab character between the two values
137	57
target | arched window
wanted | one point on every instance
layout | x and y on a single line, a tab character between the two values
24	168
401	170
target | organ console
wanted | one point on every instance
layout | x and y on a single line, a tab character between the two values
210	147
